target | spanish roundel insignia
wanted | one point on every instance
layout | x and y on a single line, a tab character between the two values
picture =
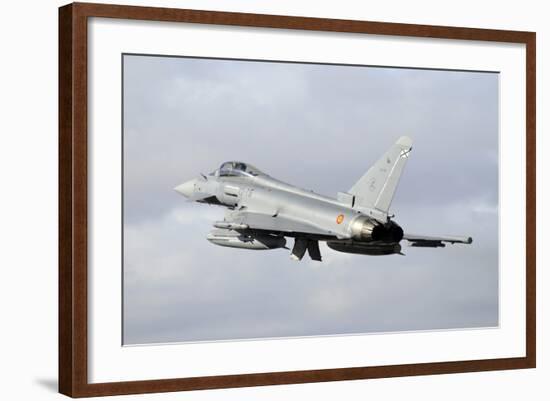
340	219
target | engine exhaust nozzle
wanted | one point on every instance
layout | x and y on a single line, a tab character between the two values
366	229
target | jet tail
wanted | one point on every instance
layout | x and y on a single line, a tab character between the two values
376	188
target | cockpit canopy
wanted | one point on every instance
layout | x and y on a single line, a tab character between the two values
237	169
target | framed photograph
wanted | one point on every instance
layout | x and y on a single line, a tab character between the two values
250	200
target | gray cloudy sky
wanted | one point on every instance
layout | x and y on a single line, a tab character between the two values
318	127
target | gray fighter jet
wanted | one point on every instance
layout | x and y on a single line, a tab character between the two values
263	211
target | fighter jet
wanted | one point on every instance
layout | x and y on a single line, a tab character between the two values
263	211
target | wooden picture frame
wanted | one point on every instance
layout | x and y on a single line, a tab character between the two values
73	198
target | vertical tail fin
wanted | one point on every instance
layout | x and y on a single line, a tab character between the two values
375	189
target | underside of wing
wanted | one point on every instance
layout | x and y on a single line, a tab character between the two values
435	242
275	223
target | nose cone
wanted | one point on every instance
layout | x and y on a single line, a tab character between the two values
186	189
